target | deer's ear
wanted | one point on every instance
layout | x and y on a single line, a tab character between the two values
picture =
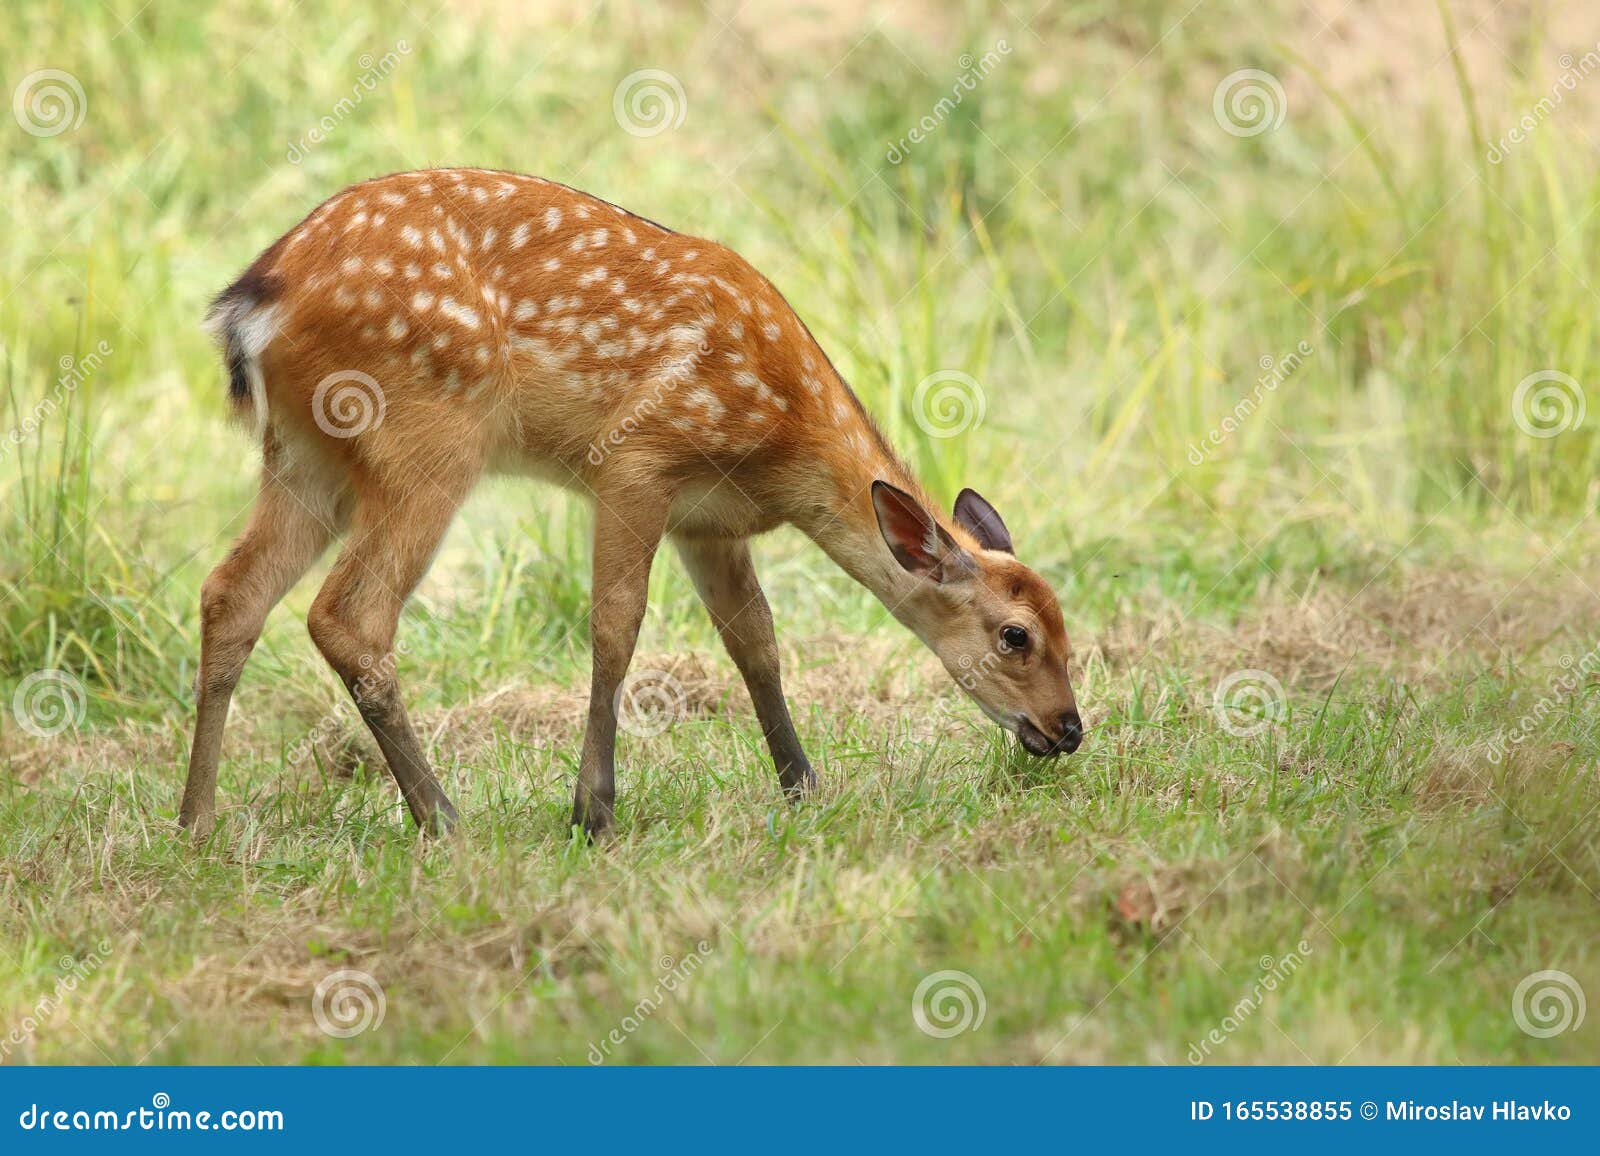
982	521
918	542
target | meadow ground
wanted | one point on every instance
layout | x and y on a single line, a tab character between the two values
1259	323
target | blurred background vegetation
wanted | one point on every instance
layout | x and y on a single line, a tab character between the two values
1079	234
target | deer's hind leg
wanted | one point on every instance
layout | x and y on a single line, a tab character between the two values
725	577
393	537
293	521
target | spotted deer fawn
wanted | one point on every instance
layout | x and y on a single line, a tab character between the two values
420	329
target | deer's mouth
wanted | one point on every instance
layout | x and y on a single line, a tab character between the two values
1035	741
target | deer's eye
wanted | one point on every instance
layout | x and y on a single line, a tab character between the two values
1013	638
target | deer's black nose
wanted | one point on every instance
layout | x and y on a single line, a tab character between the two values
1071	733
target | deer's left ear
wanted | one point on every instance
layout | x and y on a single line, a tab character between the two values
918	543
982	521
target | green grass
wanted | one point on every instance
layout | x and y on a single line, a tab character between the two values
1082	238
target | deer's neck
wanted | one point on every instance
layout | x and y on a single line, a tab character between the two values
839	516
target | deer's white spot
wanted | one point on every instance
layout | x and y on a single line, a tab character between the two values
397	327
422	301
593	276
519	236
459	313
384	266
525	310
411	236
706	400
489	235
552	219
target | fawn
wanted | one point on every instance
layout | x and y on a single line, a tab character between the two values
419	329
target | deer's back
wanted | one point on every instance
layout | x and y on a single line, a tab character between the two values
519	320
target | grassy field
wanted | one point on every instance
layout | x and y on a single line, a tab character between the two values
1267	326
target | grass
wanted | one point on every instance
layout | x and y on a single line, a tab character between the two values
1082	239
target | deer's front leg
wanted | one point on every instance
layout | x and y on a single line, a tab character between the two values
725	577
627	529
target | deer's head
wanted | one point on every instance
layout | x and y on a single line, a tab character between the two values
994	623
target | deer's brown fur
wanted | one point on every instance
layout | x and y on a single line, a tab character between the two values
418	330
